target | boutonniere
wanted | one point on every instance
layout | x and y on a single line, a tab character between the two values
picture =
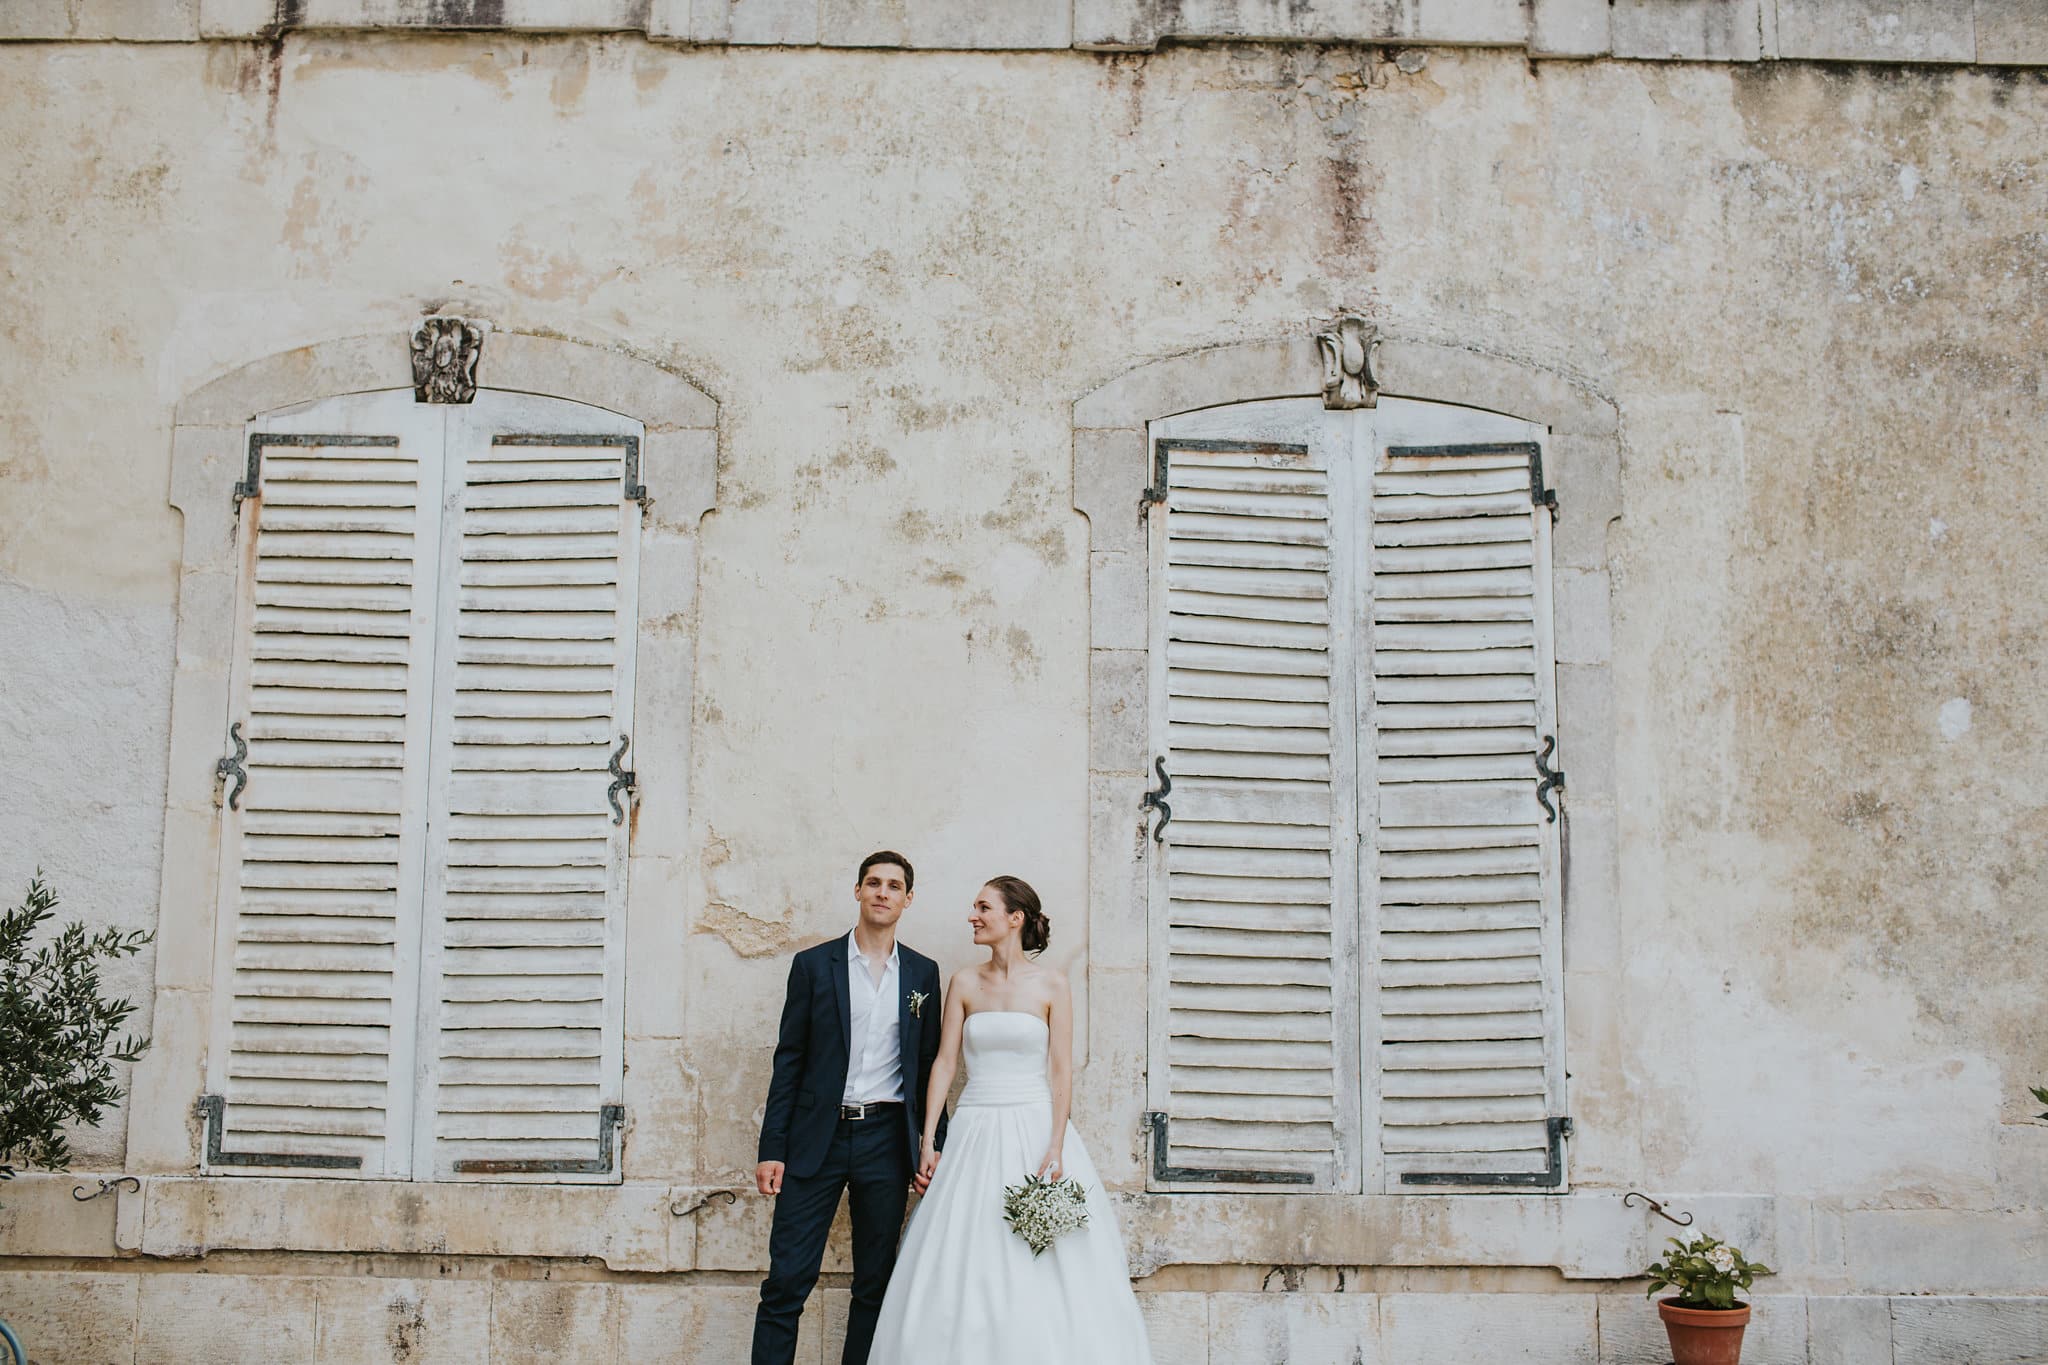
917	999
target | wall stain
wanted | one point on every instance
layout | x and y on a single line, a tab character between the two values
748	935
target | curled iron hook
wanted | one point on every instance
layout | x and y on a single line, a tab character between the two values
1628	1201
119	1182
679	1211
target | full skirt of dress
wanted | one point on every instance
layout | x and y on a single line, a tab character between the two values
968	1291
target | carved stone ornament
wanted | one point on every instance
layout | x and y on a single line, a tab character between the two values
444	356
1347	363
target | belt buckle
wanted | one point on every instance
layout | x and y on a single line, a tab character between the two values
855	1112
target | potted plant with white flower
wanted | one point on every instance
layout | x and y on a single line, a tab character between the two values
1704	1318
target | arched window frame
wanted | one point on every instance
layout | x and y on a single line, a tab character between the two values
167	1131
1113	468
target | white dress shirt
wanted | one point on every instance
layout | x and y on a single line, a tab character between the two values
874	1044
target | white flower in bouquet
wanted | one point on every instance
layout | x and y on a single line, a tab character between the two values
1722	1259
1043	1211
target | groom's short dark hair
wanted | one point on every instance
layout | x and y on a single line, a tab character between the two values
884	855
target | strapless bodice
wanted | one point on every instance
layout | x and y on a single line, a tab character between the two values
1005	1055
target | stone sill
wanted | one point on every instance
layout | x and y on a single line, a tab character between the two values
1588	1235
1953	32
635	1226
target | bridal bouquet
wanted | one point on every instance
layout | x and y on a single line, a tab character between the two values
1043	1211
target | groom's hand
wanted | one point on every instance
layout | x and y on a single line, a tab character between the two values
768	1177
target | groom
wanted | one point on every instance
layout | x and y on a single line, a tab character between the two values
860	1027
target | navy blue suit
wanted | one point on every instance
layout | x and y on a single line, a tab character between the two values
824	1155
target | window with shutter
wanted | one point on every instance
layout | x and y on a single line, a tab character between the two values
422	878
1352	665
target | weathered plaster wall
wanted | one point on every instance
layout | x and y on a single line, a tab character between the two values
1815	296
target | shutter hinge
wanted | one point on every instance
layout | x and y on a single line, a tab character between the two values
636	491
1551	1177
231	770
609	1117
622	781
1538	494
1552	778
1157	492
1156	800
213	1109
1164	1170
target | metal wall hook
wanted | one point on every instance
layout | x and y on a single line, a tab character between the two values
230	770
1628	1201
1156	800
1553	778
119	1182
622	781
679	1211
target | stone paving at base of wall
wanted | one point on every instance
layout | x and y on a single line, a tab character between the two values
166	1316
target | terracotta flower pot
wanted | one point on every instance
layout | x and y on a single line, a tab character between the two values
1704	1336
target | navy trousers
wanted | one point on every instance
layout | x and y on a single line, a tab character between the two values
869	1158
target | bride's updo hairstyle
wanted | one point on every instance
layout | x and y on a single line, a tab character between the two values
1018	895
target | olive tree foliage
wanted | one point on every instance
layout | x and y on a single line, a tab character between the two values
57	1032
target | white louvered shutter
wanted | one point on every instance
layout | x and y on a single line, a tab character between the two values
310	1068
1253	1009
1463	860
522	1004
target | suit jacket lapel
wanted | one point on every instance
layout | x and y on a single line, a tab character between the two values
836	960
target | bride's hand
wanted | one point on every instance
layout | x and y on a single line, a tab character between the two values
1049	1169
927	1165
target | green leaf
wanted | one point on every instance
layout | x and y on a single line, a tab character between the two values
57	1030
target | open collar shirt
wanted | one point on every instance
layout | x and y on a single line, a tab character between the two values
874	1053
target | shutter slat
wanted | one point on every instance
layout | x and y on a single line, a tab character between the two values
1227	630
1505	584
1247	834
1442	742
1253	1083
1314	1058
1452	483
1286	588
1461	531
485	473
1454	609
1249	860
1199	914
1456	944
1312	610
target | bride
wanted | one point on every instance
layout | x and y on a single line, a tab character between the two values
967	1291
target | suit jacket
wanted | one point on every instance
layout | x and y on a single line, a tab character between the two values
811	1051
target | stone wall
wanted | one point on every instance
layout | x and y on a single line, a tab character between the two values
1803	936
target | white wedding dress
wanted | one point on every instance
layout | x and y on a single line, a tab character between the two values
967	1290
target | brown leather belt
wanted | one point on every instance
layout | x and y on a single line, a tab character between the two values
873	1109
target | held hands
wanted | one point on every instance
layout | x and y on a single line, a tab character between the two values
927	1166
768	1177
1050	1168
